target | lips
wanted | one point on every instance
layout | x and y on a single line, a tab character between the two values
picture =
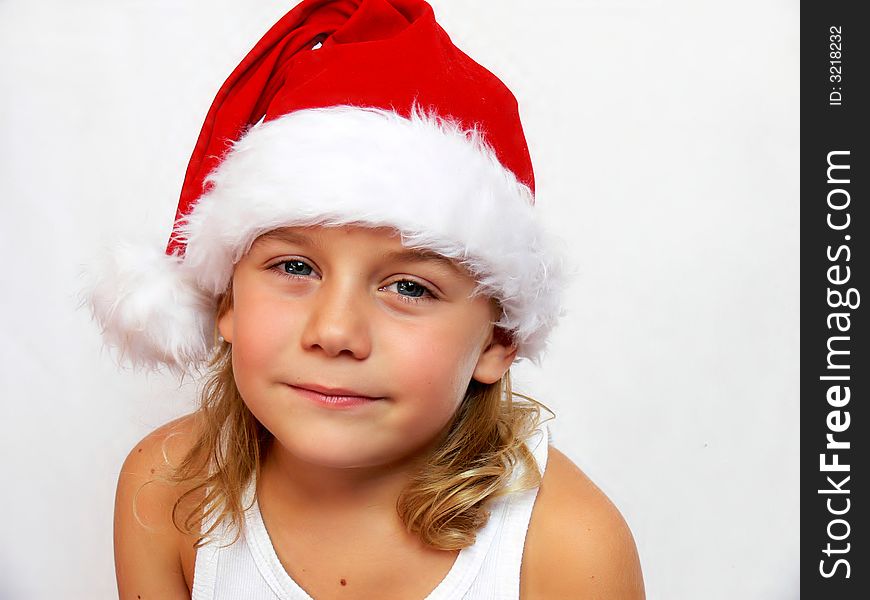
337	392
334	398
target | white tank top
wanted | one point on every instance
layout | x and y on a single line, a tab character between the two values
488	569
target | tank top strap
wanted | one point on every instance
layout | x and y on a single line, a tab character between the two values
490	568
499	575
217	545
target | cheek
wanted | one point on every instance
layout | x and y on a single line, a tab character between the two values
261	330
434	362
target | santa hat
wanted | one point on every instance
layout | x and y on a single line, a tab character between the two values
346	111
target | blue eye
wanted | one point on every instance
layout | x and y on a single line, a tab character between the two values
293	268
413	289
296	267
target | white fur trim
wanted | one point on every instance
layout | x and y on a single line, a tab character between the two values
441	186
149	308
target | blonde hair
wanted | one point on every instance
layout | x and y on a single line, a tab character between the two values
445	503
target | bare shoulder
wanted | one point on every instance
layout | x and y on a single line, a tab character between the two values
147	557
578	545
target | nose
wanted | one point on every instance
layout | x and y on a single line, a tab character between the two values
337	321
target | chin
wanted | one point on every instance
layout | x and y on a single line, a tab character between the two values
333	448
341	448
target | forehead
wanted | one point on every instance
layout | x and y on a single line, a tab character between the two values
384	242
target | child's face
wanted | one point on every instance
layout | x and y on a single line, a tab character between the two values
350	307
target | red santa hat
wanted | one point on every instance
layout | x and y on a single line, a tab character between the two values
346	111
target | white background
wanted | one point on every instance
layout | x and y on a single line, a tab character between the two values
665	139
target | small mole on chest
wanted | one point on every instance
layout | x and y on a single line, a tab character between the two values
343	582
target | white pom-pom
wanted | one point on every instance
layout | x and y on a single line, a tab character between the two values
150	309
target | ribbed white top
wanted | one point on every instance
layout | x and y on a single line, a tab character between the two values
487	570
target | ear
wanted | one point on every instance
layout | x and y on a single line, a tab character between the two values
225	325
496	358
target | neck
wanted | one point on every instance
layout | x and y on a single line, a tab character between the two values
306	486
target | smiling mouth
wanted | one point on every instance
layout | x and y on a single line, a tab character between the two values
327	391
333	397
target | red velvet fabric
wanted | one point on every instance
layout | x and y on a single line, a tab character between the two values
386	54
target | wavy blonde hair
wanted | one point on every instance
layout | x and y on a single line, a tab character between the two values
445	503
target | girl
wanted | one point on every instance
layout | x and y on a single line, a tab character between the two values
357	262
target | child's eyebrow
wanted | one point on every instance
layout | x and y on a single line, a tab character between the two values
284	235
420	255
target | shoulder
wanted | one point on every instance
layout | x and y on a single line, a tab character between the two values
147	557
578	545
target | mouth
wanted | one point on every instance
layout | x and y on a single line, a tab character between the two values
333	397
